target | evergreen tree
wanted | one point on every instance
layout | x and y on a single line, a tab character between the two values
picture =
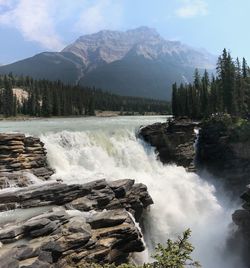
228	92
46	103
175	100
47	98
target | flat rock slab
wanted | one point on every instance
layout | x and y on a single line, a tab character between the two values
70	237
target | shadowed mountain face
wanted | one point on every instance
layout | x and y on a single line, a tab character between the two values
137	62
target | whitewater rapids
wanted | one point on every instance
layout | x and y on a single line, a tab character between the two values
110	149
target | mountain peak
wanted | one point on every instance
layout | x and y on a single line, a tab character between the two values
107	46
136	62
144	30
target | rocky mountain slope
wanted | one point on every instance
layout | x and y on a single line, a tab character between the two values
137	62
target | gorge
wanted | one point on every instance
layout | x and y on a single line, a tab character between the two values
93	149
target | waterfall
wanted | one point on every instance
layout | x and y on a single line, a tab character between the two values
181	200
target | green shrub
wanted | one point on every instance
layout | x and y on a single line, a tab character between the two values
175	254
236	128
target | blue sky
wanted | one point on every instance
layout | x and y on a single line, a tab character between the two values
28	27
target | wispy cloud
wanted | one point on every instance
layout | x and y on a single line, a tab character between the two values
192	8
41	20
34	20
4	2
98	15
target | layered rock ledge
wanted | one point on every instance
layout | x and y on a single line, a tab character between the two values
44	223
93	222
173	140
20	154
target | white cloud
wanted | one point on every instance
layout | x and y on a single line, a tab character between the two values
41	20
99	15
192	8
4	2
34	19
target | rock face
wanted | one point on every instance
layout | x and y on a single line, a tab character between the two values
223	157
241	218
98	195
174	141
109	46
84	223
61	239
20	154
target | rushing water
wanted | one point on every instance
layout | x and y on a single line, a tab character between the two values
85	149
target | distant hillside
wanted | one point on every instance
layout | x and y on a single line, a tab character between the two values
137	62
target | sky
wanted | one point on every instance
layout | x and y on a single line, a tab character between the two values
28	27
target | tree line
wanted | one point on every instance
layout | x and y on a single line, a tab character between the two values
227	92
47	98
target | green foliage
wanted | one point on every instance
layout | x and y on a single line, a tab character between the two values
221	121
236	128
228	93
241	131
175	254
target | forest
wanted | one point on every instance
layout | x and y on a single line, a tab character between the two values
227	92
26	96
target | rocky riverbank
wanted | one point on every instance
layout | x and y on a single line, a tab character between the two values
44	223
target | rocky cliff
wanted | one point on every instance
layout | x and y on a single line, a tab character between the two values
241	218
224	154
44	223
174	141
20	155
223	148
218	149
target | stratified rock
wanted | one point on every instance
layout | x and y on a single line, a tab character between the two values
97	195
174	141
70	238
106	219
84	223
20	154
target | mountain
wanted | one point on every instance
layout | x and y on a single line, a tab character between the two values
137	62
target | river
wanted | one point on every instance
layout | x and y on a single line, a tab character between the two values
85	149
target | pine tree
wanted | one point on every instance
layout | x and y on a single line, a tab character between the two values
174	100
46	103
244	68
8	98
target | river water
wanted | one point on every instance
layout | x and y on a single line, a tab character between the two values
85	149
